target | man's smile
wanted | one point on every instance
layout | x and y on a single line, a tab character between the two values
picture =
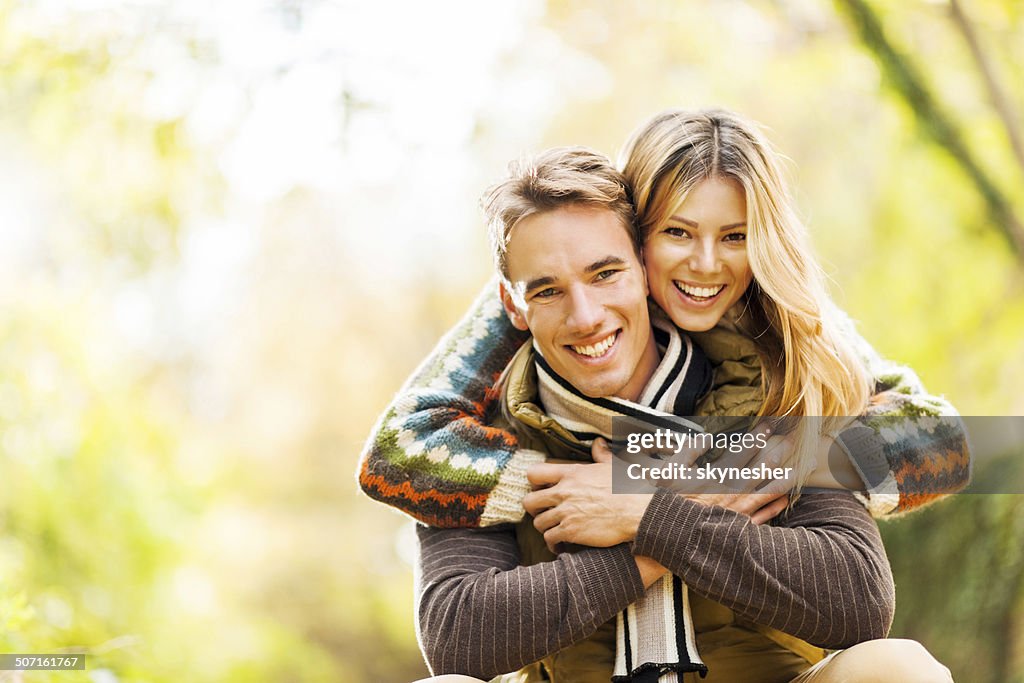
598	349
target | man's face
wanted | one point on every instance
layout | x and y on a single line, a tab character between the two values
576	284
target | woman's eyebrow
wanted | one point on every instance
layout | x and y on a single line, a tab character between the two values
695	224
687	221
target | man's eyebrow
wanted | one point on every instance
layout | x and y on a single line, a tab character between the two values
604	263
547	280
539	282
694	224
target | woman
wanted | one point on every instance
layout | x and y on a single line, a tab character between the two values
703	183
725	253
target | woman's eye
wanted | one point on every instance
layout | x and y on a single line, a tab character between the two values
676	232
735	237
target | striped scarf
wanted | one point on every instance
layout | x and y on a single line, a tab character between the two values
654	636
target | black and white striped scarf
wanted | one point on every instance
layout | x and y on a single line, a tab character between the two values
654	635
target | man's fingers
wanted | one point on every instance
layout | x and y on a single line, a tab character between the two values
776	487
690	454
741	457
771	510
600	451
748	503
750	455
777	450
547	520
553	539
540	500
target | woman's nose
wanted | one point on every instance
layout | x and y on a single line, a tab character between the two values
705	257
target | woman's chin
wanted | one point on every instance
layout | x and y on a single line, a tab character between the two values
694	321
692	317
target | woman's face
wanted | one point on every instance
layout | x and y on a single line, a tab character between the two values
696	261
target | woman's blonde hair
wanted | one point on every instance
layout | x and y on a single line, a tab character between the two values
809	367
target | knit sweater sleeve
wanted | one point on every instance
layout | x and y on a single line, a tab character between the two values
432	454
481	614
820	573
910	448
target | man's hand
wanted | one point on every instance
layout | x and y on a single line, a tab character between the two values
650	570
760	499
776	451
760	507
575	504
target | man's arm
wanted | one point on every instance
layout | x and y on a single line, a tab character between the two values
481	614
819	573
432	454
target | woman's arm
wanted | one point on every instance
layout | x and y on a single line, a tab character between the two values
909	448
481	614
819	573
432	454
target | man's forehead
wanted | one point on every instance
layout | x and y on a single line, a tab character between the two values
569	241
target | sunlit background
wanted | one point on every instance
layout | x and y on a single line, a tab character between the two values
230	229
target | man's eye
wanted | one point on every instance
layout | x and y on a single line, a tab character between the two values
545	293
605	274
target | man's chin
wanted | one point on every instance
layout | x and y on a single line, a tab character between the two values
593	387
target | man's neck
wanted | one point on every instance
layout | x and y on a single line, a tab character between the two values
644	371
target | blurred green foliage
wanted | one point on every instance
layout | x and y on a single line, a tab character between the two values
177	449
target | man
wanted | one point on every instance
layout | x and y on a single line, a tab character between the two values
496	600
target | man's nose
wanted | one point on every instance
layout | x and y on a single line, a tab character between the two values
585	311
705	257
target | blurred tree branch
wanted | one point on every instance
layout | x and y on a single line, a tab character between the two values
995	90
910	85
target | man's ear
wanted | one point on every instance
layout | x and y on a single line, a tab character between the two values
513	313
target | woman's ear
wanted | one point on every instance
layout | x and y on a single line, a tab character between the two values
513	313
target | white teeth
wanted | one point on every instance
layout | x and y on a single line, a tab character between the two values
702	292
596	350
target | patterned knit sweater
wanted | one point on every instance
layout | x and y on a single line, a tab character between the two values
434	456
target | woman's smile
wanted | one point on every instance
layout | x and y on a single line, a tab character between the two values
698	293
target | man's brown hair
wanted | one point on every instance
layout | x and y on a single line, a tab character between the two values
552	179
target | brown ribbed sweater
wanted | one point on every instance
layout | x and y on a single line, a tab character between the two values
819	573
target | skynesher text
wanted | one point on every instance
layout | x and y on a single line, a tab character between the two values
707	472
